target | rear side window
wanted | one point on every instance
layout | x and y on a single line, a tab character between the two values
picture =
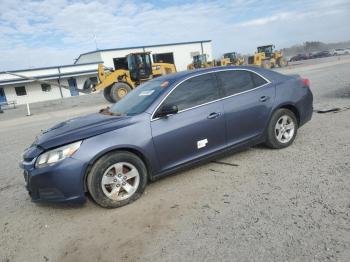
193	92
238	81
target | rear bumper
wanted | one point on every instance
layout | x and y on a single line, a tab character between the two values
62	182
306	108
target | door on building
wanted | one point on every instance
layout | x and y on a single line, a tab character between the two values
163	58
73	87
2	95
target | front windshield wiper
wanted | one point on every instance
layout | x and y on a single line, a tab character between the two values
106	111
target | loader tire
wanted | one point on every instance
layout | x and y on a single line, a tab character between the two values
88	85
281	62
266	64
107	94
119	90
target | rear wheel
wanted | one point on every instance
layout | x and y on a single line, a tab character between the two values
119	90
266	64
282	129
117	179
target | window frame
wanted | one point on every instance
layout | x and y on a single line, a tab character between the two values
221	91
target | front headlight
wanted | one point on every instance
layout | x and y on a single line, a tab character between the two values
58	154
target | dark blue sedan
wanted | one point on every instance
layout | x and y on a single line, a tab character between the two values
163	125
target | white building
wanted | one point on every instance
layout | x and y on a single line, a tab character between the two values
21	90
15	88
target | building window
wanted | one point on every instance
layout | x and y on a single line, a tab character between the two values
21	91
163	58
45	87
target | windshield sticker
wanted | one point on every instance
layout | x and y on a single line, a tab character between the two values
164	84
146	93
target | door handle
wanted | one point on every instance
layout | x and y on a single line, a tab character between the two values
264	98
214	115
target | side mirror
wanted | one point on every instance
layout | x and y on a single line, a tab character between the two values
167	110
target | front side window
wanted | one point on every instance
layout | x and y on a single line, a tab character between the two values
238	81
193	92
20	90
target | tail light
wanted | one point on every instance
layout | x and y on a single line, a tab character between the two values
305	82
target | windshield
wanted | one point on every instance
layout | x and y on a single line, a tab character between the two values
139	99
265	49
199	58
230	55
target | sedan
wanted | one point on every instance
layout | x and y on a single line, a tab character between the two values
165	124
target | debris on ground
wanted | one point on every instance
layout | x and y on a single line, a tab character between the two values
334	110
213	170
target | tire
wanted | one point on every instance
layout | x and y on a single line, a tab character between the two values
281	62
88	85
117	179
280	133
107	94
266	64
119	90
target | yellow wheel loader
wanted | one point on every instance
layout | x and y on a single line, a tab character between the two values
200	61
231	59
130	72
267	57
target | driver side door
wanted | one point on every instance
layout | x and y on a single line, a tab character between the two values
198	128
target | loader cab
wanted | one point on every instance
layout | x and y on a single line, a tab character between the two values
232	56
267	49
199	60
140	66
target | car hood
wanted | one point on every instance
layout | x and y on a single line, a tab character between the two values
79	128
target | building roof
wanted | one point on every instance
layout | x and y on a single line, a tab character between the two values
46	73
144	46
49	67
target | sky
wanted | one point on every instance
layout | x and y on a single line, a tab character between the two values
52	32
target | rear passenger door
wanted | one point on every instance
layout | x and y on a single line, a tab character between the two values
196	130
247	104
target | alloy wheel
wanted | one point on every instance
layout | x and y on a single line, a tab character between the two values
284	129
120	181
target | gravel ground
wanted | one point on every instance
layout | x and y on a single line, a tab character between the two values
275	205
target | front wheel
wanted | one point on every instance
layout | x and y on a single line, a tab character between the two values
117	179
107	94
281	62
282	129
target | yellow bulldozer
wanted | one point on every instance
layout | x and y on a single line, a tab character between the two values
231	59
130	72
267	57
200	61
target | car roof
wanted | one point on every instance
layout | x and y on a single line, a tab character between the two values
175	77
